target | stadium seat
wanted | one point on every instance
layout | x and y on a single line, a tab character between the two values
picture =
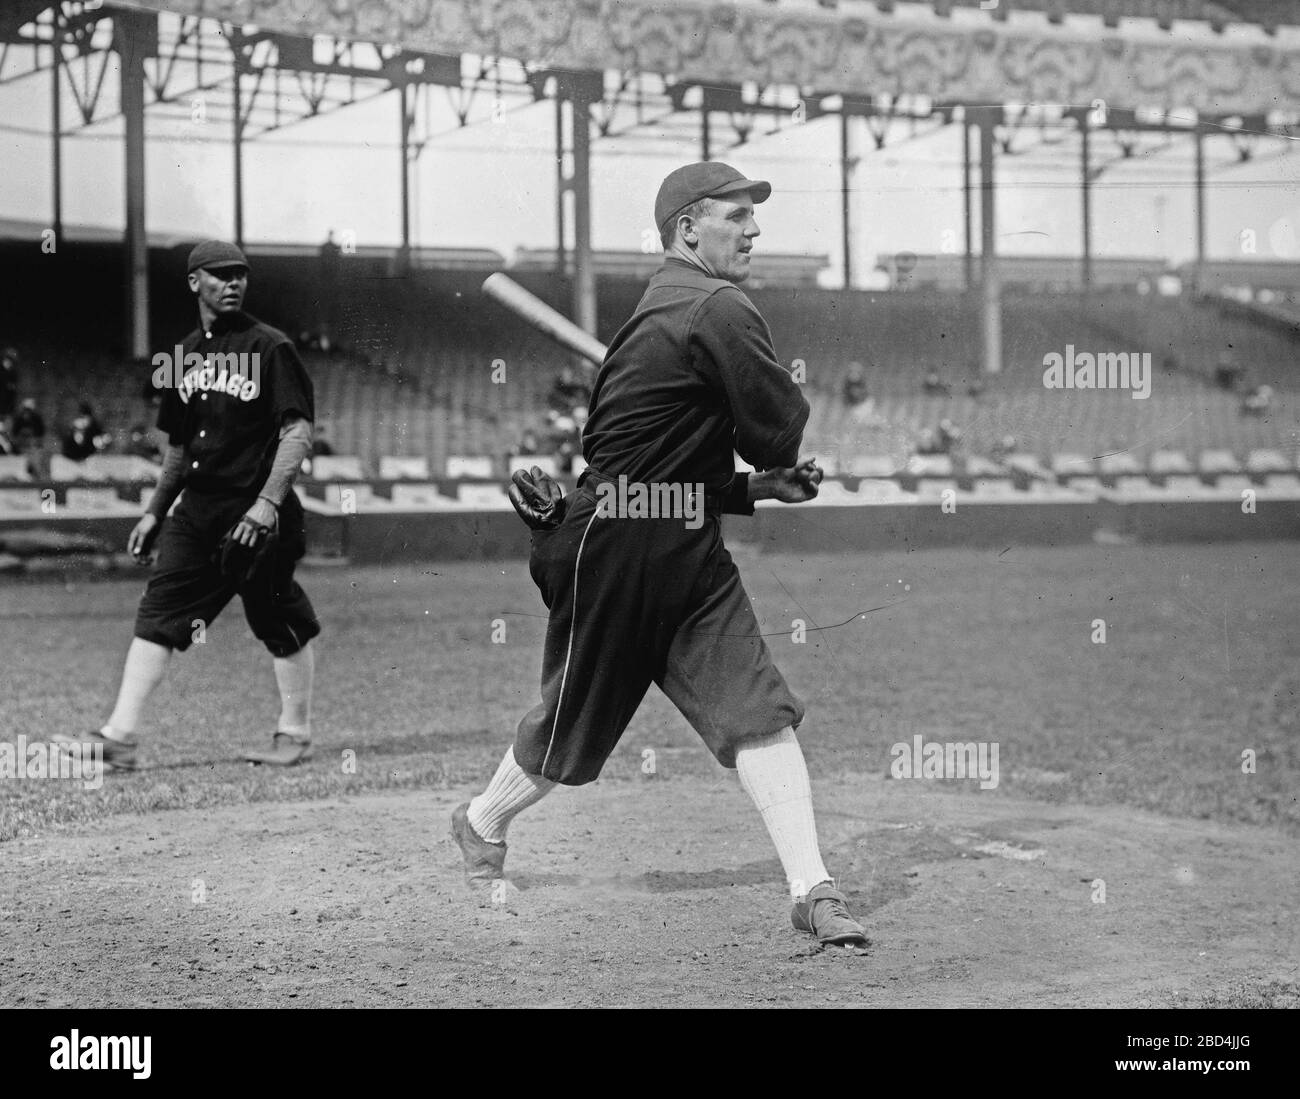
119	467
64	469
417	497
1123	464
1234	485
490	497
20	501
1268	461
1027	464
930	465
871	465
469	466
1166	462
545	462
1186	487
96	499
360	494
935	487
1130	484
1217	462
994	486
392	468
337	467
978	466
13	467
1283	484
1072	466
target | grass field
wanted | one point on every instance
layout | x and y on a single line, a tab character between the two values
1120	768
1199	664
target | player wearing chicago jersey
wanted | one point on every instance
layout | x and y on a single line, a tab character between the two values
237	408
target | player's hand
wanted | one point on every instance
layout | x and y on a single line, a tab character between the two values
140	541
537	497
795	485
257	521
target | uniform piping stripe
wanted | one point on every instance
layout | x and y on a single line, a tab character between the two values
568	656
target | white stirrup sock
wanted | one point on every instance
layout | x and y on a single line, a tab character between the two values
773	772
510	792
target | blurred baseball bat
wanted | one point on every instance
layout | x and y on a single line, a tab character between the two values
542	317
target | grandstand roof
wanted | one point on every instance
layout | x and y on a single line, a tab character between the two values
1218	13
857	47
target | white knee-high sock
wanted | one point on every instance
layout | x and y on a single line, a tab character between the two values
293	677
146	662
773	772
510	792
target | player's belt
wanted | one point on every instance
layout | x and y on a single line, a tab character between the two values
591	478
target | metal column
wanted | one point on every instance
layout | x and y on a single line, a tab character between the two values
846	173
238	135
990	278
968	266
56	128
1200	204
1086	168
130	34
584	275
404	252
561	188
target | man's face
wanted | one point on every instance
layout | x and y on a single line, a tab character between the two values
221	289
725	235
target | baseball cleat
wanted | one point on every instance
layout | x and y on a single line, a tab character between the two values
484	862
119	755
824	912
286	750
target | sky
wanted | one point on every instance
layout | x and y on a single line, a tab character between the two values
492	184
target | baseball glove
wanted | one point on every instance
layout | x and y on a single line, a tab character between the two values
238	561
537	497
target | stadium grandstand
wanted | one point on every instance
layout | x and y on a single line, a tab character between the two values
933	374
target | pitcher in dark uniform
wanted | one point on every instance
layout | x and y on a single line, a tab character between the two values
639	596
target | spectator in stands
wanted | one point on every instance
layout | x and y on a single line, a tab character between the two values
943	439
855	384
529	444
1258	402
330	258
935	386
140	444
1004	446
1227	372
566	437
949	436
8	384
568	389
86	436
29	427
320	443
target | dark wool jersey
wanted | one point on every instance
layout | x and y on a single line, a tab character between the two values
690	378
226	407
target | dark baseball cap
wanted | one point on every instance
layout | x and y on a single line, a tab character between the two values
215	253
706	179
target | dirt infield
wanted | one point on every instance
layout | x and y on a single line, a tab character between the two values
656	892
202	881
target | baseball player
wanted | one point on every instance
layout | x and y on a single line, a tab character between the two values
689	378
237	409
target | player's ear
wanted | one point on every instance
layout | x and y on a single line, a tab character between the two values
193	280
